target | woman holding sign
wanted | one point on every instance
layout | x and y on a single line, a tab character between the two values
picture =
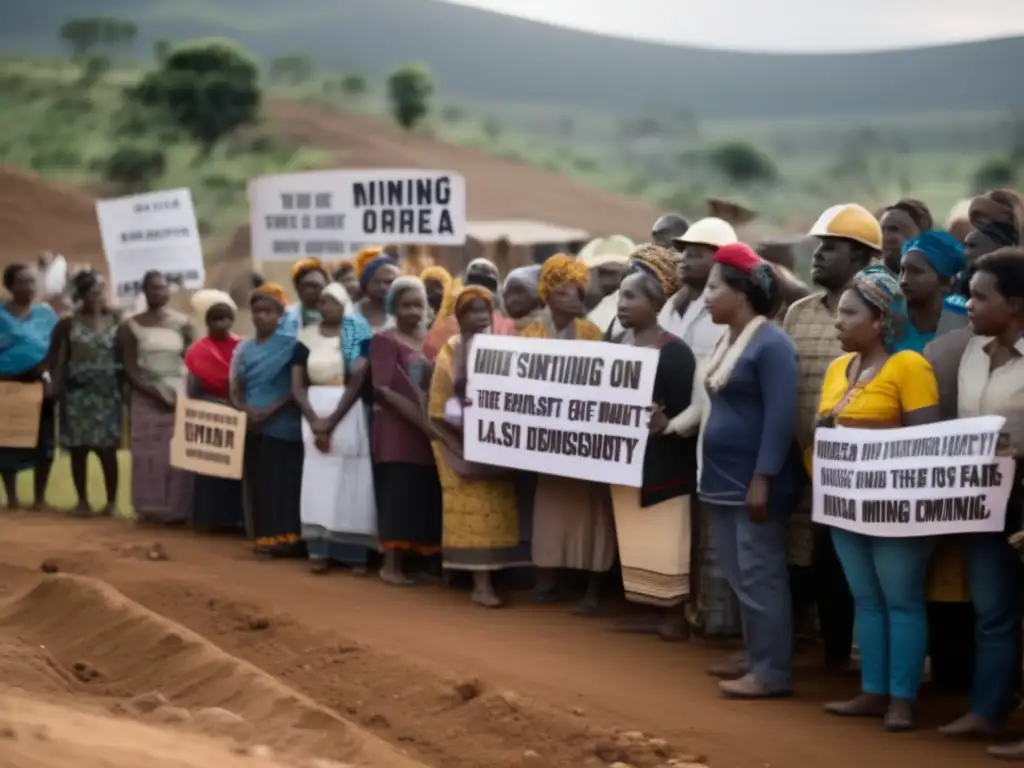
261	385
328	371
572	519
25	331
217	501
748	478
653	522
480	530
153	345
875	387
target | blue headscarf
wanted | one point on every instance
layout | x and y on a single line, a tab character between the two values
372	268
944	252
24	342
265	369
877	286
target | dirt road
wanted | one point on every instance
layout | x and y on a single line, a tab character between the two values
446	683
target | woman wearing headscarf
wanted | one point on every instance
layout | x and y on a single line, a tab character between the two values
997	221
874	386
990	381
652	523
152	346
480	531
26	329
374	282
749	480
89	377
409	506
217	501
572	519
904	219
309	276
520	296
480	272
437	282
930	262
329	369
346	275
261	385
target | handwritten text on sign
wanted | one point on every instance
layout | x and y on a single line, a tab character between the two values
916	481
153	231
209	439
331	214
570	408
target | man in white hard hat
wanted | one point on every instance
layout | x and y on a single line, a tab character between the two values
606	258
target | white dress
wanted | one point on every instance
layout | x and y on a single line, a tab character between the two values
338	505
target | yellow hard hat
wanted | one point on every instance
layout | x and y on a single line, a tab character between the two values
850	221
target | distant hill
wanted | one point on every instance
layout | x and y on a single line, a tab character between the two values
489	58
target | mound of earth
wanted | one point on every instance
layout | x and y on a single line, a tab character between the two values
37	215
77	640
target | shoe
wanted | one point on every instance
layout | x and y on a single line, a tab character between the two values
749	687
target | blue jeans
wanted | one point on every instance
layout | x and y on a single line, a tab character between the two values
888	579
754	560
993	568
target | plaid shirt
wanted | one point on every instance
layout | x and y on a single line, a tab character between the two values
811	326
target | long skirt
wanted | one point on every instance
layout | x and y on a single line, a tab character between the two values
217	505
20	459
480	522
339	508
409	508
654	547
573	525
273	486
716	611
160	493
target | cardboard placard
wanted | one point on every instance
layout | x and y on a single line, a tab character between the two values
21	406
209	439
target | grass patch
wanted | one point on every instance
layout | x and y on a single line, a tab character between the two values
60	494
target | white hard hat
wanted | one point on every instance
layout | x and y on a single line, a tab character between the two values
711	231
615	249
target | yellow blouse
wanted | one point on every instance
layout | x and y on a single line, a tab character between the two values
906	383
583	330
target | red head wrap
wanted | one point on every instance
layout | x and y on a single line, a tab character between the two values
739	255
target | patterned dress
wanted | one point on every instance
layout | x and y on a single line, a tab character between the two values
91	412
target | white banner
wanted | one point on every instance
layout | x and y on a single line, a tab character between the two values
570	408
155	230
932	480
332	214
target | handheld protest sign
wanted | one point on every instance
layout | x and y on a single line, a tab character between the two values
332	214
153	231
209	439
933	480
560	407
21	407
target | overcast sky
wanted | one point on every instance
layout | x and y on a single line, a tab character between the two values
780	25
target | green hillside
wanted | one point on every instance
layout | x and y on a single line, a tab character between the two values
487	58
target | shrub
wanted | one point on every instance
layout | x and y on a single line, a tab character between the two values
994	174
743	163
134	167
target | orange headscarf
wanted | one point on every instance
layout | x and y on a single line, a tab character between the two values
303	267
366	254
444	277
560	270
271	291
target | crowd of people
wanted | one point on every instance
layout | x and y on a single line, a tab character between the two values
355	395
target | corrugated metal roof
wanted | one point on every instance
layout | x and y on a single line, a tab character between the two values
523	232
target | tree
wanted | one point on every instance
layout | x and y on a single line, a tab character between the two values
994	174
354	85
94	67
409	89
161	50
743	163
134	167
208	87
295	68
83	35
